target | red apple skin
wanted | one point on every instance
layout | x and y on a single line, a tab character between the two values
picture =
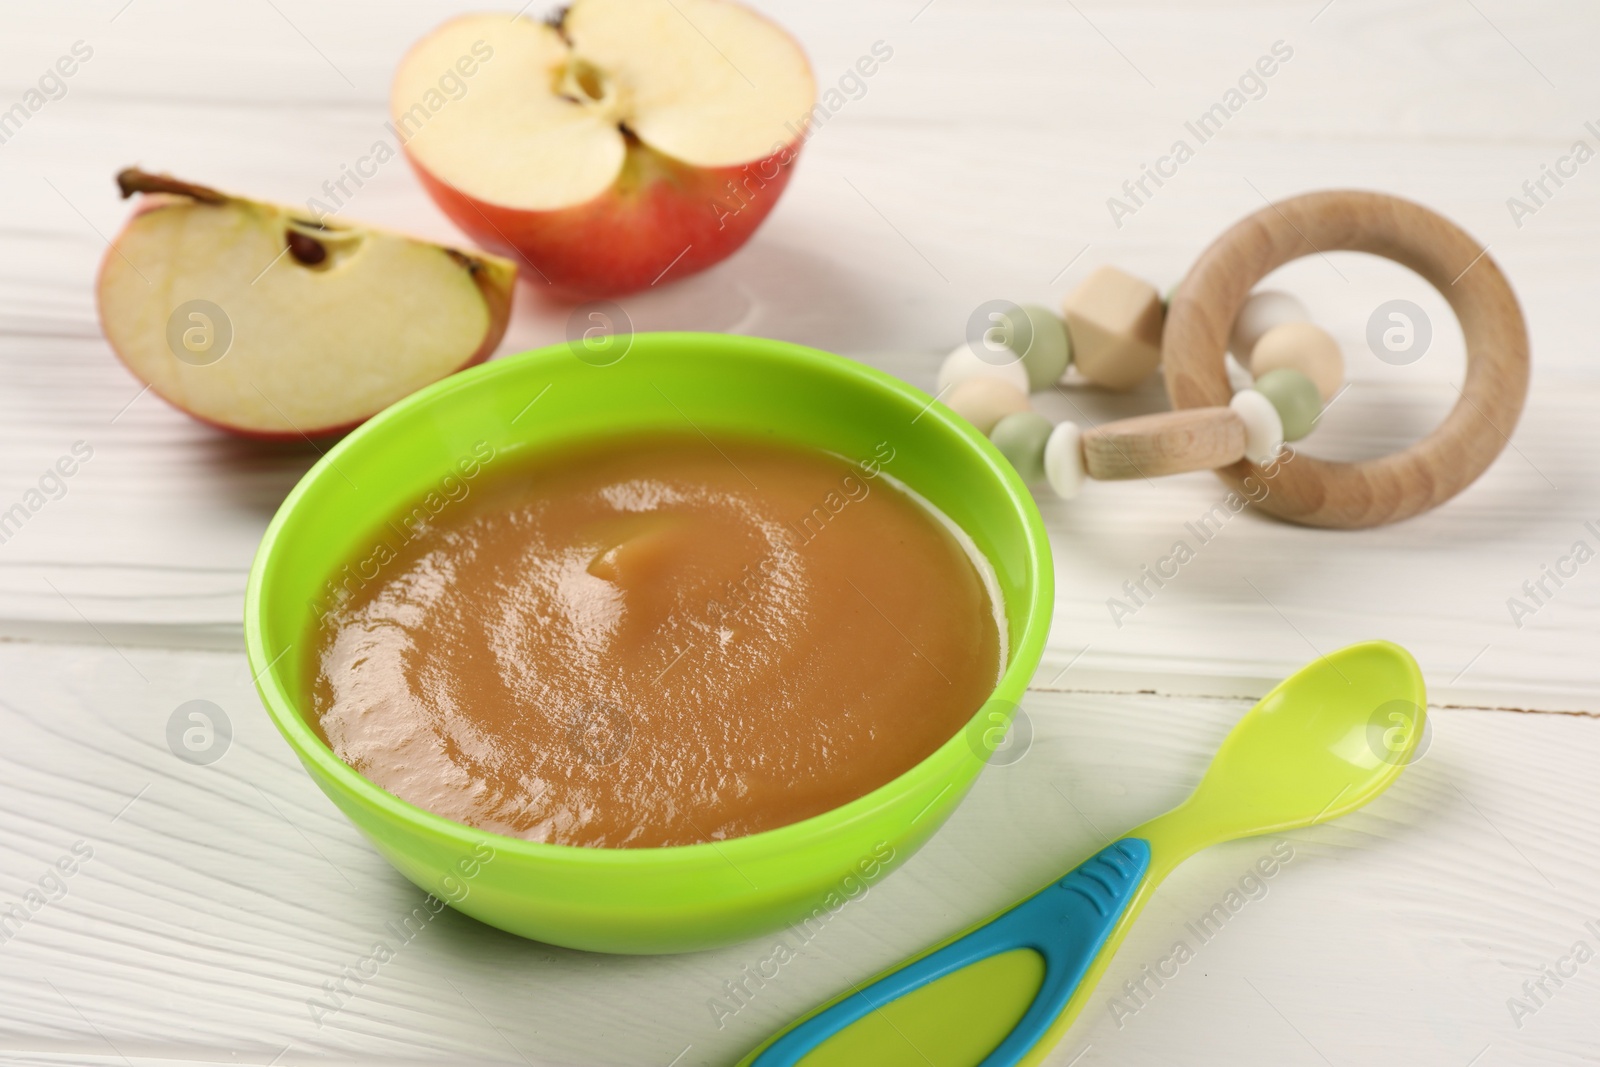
635	234
497	297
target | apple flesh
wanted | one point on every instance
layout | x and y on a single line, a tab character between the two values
629	143
304	329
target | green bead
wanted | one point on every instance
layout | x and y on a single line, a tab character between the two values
1043	345
1295	397
1020	437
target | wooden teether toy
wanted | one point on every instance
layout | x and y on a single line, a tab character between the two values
1117	331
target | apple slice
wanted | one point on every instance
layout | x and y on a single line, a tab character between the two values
625	143
251	318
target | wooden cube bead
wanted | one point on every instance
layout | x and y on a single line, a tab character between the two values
1114	320
1305	347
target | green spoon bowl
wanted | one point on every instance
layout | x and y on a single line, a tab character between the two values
1321	744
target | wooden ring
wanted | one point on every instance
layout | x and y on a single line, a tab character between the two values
1320	492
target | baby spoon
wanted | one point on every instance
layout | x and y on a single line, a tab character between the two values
1320	745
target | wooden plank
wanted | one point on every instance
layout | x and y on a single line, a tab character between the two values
220	898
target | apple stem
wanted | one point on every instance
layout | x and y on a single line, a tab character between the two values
133	180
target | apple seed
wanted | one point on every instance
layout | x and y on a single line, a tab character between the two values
305	248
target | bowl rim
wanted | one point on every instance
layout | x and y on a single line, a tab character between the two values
942	764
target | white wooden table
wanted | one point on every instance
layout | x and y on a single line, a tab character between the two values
978	164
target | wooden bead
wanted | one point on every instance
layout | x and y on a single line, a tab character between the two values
965	363
1305	347
985	401
1063	460
1296	399
1114	320
1171	442
1021	437
1265	309
1263	429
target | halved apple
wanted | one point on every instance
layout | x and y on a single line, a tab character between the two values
624	143
252	318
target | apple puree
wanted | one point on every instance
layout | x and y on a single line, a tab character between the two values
660	641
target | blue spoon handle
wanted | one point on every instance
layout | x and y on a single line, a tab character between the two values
1067	923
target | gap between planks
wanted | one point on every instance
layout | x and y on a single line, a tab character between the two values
212	641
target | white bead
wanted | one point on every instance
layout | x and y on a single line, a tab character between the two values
1063	460
963	364
1263	428
1261	312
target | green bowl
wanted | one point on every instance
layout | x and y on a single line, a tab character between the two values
640	900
